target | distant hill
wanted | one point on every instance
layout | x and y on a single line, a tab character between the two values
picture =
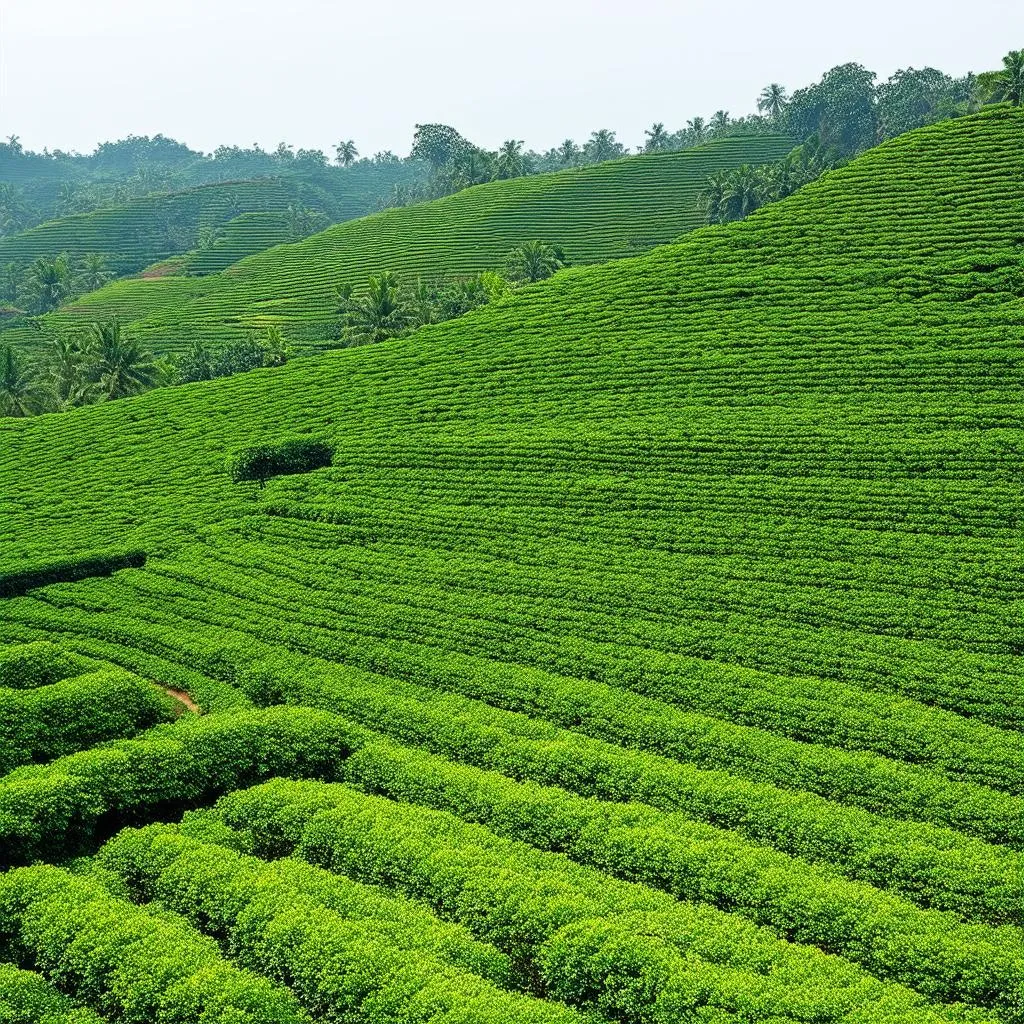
596	213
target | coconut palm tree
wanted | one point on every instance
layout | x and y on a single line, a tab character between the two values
534	261
49	282
67	382
379	314
719	122
657	138
772	101
602	146
569	153
1010	81
511	161
93	272
698	128
345	153
19	388
743	193
118	365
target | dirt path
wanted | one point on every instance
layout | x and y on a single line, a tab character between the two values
184	698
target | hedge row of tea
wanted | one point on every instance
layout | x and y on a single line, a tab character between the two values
595	213
643	652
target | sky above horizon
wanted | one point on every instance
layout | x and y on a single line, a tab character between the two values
311	72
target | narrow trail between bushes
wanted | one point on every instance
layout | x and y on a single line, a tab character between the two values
185	699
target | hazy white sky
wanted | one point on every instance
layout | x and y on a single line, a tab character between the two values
76	72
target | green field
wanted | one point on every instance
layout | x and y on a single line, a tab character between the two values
595	213
650	653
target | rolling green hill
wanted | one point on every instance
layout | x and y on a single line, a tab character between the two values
596	213
144	231
653	630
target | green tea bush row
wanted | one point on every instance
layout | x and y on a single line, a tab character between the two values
67	570
641	657
195	867
307	621
631	951
23	666
262	461
27	998
64	807
857	778
136	967
930	866
345	950
58	719
927	950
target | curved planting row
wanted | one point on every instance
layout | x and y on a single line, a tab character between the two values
928	865
345	950
60	718
137	967
65	807
884	933
586	933
27	998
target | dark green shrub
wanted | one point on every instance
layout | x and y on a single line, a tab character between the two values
262	461
68	570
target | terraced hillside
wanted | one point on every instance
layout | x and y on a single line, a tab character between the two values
596	213
144	231
647	654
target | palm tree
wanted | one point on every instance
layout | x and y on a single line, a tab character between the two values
657	138
743	193
49	282
772	101
534	261
720	122
712	199
19	390
93	272
346	152
698	129
568	153
118	365
602	146
511	161
378	315
67	383
1010	81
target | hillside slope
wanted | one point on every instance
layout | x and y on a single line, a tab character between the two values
596	213
658	624
143	231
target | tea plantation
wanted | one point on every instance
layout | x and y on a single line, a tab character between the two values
648	651
135	234
595	213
